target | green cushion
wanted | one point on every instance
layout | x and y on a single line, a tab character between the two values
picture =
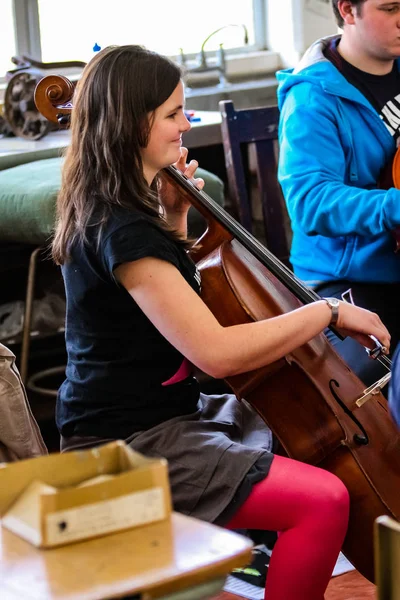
28	195
27	201
214	187
12	159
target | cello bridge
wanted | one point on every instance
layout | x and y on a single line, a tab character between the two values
373	390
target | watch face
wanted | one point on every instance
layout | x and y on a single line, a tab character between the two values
334	301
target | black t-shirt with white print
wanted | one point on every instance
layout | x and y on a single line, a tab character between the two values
117	359
382	91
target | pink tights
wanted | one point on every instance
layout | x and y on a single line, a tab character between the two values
310	508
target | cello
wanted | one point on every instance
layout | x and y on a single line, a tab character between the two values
312	401
390	177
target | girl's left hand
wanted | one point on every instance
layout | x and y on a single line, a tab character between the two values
175	203
189	169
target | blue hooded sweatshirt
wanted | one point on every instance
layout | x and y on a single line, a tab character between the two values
333	147
394	388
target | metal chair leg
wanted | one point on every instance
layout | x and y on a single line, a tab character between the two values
26	331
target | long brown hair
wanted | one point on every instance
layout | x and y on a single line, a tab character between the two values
110	124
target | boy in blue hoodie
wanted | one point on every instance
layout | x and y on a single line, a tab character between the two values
339	128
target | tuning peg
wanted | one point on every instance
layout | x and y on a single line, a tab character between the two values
63	119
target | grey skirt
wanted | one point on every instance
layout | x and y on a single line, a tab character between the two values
214	454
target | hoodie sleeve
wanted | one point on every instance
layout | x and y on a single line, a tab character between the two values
314	165
394	388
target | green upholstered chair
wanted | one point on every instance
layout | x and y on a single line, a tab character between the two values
27	201
28	195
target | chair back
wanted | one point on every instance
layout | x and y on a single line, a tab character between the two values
257	127
387	558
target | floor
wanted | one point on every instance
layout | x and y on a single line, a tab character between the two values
350	586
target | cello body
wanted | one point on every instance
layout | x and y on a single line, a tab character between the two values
308	398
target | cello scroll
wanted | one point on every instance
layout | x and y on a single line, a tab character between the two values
53	96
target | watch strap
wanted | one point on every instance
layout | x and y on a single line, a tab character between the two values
333	304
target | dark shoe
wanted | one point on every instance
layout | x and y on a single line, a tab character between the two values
256	572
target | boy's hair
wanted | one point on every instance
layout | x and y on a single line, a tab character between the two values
339	20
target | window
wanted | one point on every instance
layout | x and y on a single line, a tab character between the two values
7	37
52	32
157	24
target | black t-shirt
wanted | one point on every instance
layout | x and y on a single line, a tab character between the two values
382	91
117	359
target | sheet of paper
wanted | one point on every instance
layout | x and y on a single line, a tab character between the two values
342	566
252	592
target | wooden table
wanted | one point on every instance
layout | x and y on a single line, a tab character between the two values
204	141
154	560
204	132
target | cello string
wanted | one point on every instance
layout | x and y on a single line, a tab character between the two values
385	361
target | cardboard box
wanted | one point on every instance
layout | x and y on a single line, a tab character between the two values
62	498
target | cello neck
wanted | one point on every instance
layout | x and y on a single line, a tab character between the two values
206	205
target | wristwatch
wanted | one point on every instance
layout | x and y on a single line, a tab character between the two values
333	304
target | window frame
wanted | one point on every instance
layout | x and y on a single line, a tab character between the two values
27	29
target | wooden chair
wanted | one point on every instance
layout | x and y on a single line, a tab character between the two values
257	127
387	558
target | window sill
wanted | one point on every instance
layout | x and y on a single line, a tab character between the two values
247	65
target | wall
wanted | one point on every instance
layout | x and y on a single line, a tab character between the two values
292	25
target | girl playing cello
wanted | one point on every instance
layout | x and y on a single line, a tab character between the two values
136	323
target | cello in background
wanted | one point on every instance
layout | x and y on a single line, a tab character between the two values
390	177
310	398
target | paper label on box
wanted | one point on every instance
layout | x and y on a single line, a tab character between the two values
105	516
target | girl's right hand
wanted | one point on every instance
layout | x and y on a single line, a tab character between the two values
360	323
